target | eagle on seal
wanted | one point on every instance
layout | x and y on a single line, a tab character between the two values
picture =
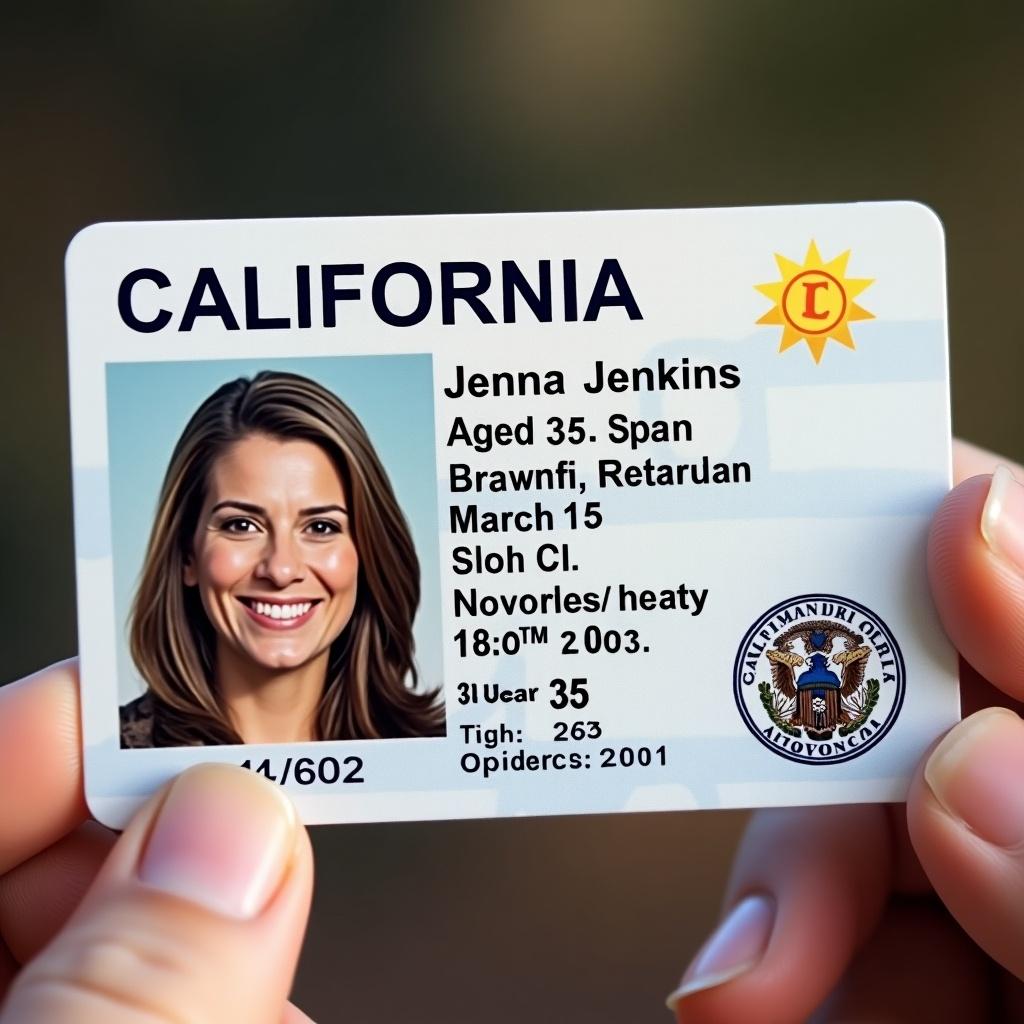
818	691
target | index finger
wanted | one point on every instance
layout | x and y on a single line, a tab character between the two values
976	568
793	862
41	792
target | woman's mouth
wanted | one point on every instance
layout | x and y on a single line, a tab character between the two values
279	614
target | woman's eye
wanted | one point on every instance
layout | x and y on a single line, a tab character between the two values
323	527
239	524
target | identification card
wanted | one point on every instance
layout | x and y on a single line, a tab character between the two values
475	516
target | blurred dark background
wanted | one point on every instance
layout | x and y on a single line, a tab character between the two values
150	110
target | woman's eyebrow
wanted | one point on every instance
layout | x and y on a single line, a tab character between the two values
259	510
244	506
319	510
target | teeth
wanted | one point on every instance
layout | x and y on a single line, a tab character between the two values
282	611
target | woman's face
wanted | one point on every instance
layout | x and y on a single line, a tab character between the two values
273	555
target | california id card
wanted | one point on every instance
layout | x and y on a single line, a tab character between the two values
475	516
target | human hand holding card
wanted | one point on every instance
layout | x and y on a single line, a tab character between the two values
788	859
196	912
893	891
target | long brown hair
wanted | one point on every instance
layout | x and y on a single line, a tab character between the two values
369	691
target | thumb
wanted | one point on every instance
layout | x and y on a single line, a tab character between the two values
966	816
197	915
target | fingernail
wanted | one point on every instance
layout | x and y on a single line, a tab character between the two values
1002	518
223	838
976	772
738	943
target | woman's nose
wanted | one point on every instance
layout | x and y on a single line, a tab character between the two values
281	563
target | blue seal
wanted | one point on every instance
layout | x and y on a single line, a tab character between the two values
819	679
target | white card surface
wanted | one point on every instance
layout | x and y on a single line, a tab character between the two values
473	516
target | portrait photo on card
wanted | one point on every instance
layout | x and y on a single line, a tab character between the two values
275	550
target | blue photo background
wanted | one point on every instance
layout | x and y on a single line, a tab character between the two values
148	405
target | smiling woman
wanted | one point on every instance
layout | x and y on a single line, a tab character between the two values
280	582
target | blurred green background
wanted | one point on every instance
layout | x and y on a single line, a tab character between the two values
147	110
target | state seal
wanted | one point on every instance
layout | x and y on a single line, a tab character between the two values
819	679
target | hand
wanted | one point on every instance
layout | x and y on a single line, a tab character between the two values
195	913
845	914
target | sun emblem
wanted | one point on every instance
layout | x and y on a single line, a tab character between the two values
814	301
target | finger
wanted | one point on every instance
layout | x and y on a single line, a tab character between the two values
197	914
917	966
976	567
970	460
796	869
40	762
966	816
38	896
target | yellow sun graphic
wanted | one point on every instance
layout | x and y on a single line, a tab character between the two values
814	301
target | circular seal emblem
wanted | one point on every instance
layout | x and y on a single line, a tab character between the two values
819	679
